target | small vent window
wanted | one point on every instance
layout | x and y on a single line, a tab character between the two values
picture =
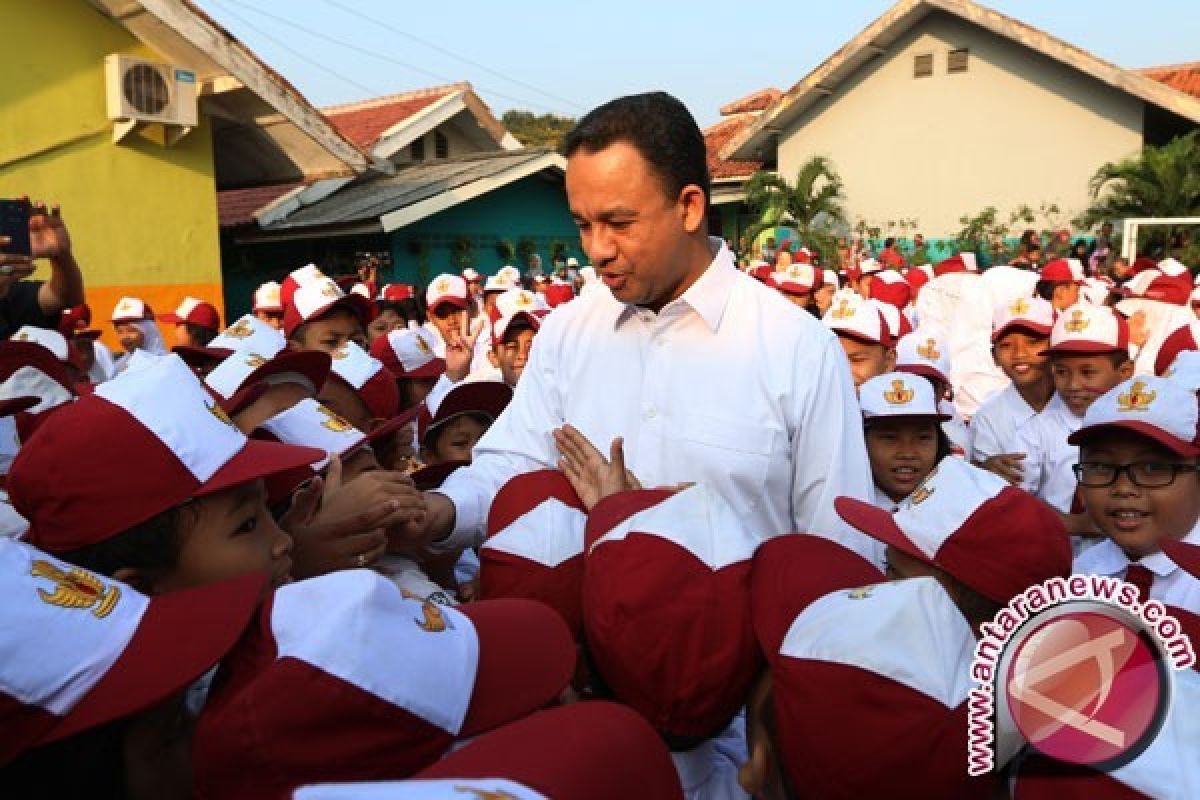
441	145
145	89
417	149
923	65
956	60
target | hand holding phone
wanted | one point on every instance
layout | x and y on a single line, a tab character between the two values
14	227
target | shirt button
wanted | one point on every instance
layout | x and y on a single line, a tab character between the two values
651	412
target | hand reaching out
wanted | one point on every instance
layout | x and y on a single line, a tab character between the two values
460	349
592	475
48	237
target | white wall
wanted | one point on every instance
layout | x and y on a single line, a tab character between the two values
1015	128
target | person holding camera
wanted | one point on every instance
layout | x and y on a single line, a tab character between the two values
38	303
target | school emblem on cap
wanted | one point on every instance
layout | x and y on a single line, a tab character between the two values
524	300
22	337
899	395
1136	399
239	331
76	589
861	593
254	360
434	621
1078	322
423	345
485	794
220	414
126	306
843	310
330	289
442	286
333	421
1020	306
929	351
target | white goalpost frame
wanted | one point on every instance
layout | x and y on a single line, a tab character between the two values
1129	231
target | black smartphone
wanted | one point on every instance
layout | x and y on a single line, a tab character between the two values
14	223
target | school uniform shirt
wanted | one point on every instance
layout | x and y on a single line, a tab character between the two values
881	499
956	429
995	427
729	385
706	773
1172	585
1048	457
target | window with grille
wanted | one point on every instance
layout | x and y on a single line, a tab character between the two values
441	145
923	65
417	149
956	60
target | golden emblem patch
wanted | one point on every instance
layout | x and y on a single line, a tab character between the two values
333	421
423	345
921	495
76	588
929	351
442	286
1078	323
22	337
220	414
330	289
241	330
861	593
484	794
1020	306
524	300
1137	398
433	620
899	395
254	360
843	310
340	353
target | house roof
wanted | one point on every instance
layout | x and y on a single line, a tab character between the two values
264	130
238	206
757	101
365	121
383	203
1181	77
716	137
902	17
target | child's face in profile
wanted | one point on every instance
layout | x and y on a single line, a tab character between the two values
511	356
330	333
1135	517
1019	356
1080	379
456	440
226	534
867	360
902	454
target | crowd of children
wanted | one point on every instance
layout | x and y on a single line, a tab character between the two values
210	593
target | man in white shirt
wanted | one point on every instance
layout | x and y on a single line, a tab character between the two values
707	375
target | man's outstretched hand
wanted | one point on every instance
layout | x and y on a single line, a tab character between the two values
593	476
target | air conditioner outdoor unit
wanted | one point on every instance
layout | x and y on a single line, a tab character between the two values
141	92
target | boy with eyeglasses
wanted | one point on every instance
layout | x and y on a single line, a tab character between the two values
1140	483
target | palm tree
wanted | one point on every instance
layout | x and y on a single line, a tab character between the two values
1158	182
812	205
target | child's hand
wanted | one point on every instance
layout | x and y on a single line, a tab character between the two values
460	349
1007	466
592	475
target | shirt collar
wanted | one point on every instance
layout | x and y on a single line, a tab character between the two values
709	295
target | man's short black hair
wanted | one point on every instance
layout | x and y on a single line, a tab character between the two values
661	129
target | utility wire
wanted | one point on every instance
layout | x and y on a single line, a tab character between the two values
381	56
452	54
298	54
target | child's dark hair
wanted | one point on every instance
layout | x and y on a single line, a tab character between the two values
434	435
1045	289
151	546
200	334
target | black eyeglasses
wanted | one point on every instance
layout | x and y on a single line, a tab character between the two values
1146	474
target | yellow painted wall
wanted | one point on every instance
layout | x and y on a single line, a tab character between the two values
142	217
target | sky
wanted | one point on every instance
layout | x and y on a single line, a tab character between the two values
566	57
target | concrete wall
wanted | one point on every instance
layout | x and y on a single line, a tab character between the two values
142	217
1015	128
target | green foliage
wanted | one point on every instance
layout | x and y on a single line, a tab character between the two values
813	205
462	252
506	251
1158	182
989	234
526	248
532	130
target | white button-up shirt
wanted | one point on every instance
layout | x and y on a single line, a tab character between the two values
1172	585
1048	457
995	427
729	385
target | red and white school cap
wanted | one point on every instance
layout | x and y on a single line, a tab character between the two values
1174	269
247	333
1063	270
373	687
960	520
963	262
309	273
897	321
80	649
534	545
30	370
408	353
567	752
267	297
850	315
1029	314
246	368
923	352
157	423
510	306
507	278
1185	370
485	398
77	321
1195	296
1086	329
131	309
666	606
918	276
897	395
797	279
870	266
446	288
314	300
1168	768
471	274
395	292
194	311
558	293
890	287
311	424
52	340
1158	408
1154	285
830	278
366	375
868	682
1182	339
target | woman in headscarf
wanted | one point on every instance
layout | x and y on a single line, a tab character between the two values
1156	305
136	330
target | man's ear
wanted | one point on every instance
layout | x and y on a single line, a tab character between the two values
1126	370
694	203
